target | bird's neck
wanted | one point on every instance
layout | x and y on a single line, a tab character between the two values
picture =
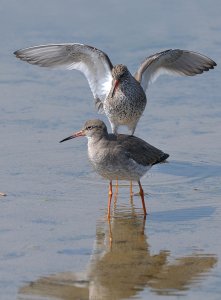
129	79
95	148
96	139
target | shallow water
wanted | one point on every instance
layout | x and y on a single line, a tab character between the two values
55	240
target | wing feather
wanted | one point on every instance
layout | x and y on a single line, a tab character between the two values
92	62
172	62
139	150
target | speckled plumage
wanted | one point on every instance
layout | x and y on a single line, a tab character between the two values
125	104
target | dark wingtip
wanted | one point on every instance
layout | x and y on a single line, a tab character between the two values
213	64
16	53
166	156
162	159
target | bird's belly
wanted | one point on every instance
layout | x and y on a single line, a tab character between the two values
123	109
119	170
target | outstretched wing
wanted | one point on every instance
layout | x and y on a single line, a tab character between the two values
174	62
92	62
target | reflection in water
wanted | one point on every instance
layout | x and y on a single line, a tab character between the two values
121	266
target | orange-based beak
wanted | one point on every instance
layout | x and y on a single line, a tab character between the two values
116	83
79	133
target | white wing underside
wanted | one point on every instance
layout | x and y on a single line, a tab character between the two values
172	62
93	63
96	65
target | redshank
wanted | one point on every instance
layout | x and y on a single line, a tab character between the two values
116	92
121	157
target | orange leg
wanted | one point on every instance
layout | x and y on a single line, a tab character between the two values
131	188
110	234
116	183
110	193
115	195
143	226
142	199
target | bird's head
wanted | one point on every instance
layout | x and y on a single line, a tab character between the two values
92	128
119	73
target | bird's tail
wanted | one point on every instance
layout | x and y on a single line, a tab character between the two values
162	159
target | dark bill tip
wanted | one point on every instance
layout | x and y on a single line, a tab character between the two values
66	139
79	133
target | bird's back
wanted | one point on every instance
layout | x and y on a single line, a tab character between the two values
138	150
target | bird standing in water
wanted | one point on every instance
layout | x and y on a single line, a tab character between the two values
121	157
117	93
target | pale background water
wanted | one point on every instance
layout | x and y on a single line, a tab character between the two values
53	233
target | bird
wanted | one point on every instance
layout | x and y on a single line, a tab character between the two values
118	157
117	93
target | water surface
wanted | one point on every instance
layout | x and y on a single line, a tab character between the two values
55	240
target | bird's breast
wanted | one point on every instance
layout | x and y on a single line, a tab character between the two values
128	101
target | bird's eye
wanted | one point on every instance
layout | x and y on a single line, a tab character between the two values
90	127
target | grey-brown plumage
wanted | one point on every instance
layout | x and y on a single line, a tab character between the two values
116	92
126	100
120	157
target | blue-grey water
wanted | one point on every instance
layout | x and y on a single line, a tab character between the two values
55	242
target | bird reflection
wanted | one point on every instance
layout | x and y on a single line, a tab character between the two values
122	266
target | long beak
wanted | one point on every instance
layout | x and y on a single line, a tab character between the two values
79	133
116	83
